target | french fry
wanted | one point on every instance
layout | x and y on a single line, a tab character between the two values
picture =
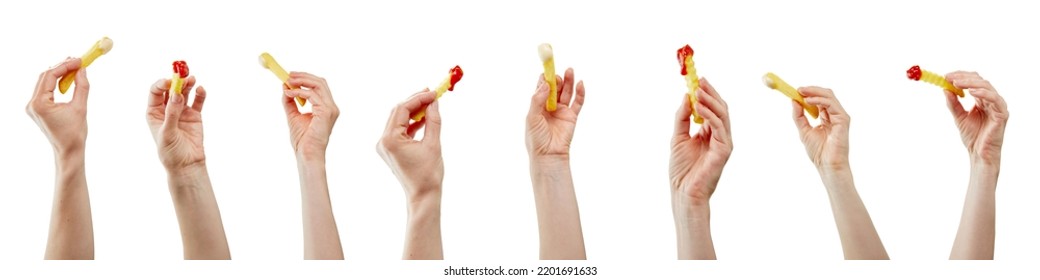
545	52
268	62
918	74
454	76
774	82
99	48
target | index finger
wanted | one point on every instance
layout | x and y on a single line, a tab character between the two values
401	115
157	92
49	79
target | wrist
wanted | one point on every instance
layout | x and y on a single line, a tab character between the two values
687	211
424	204
833	169
310	163
984	176
548	163
70	152
187	176
985	165
310	156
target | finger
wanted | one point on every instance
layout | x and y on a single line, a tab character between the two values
714	123
713	104
823	95
957	75
816	91
433	123
174	108
991	101
289	104
972	83
82	90
158	93
49	79
298	79
309	94
831	106
414	127
200	98
800	121
568	87
541	93
310	81
579	98
402	114
710	90
954	104
682	117
189	82
559	88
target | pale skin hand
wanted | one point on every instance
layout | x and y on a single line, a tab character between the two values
548	141
71	235
695	168
177	130
309	135
828	147
419	167
982	131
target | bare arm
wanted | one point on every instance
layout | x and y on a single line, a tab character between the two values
71	233
975	236
859	239
559	224
320	234
695	168
419	168
310	134
177	130
982	131
828	147
202	231
548	139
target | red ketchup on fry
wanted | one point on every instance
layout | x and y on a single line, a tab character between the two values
180	67
682	54
456	76
914	73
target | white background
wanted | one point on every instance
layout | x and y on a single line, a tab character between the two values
910	166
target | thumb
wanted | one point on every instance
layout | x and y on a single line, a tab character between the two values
433	122
541	93
174	107
79	95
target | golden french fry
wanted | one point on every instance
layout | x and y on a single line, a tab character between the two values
774	82
454	76
918	74
99	48
268	62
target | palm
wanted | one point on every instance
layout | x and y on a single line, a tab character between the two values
982	134
696	164
309	132
827	143
550	133
64	122
182	146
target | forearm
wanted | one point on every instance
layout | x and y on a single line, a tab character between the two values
693	230
71	233
859	238
320	234
975	236
423	236
559	223
202	232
